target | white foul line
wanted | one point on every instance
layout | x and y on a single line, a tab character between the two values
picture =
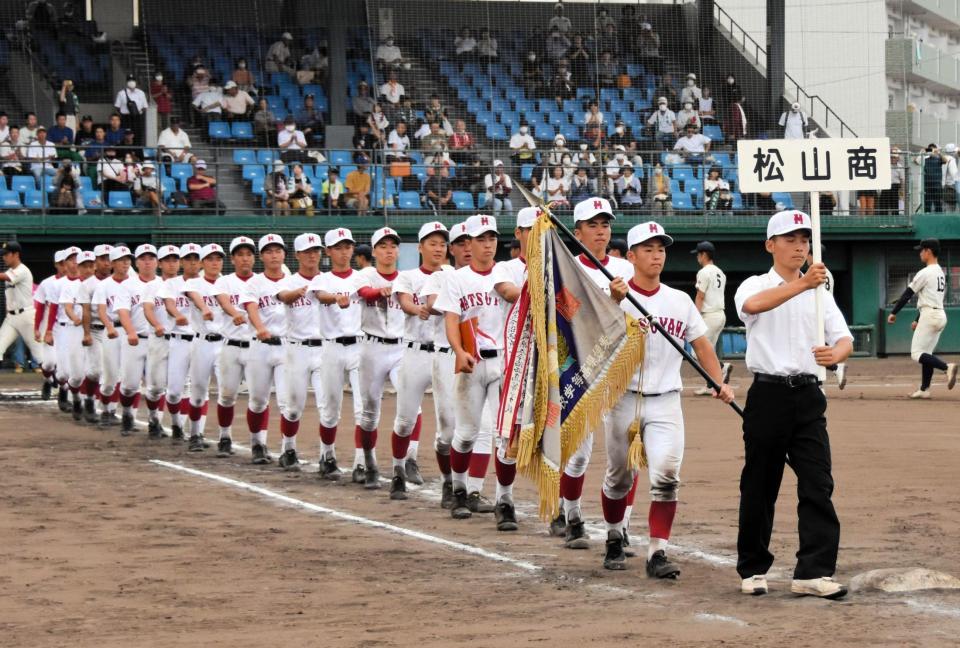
348	517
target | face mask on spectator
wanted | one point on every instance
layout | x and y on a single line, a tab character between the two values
389	42
159	77
583	147
688	106
691	82
524	130
291	127
531	57
658	171
730	80
663	107
620	130
242	65
131	84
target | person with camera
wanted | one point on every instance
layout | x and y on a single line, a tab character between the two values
148	190
68	193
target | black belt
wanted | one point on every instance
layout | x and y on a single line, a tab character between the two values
212	337
142	337
486	354
61	323
346	341
243	344
422	346
377	338
97	327
443	349
274	341
186	337
16	312
307	343
798	380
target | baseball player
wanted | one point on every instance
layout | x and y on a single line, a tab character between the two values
840	370
929	285
711	284
71	331
363	255
106	299
93	333
238	336
45	301
133	347
267	354
474	317
418	337
341	312
304	343
206	318
784	416
180	336
158	346
63	351
18	294
651	404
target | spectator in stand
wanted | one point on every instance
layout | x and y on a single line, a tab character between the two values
664	123
314	65
11	154
4	126
688	116
333	191
398	143
794	122
114	132
691	92
562	87
932	180
391	91
67	190
435	140
388	56
608	70
604	20
407	113
208	106
131	152
487	47
498	186
162	97
889	198
243	77
69	104
593	122
202	188
615	165
111	172
198	82
276	189
558	189
85	134
736	126
301	189
439	190
365	140
585	156
532	74
555	155
629	189
569	166
623	136
236	103
311	120
522	146
579	58
628	30
559	21
608	40
131	102
42	155
648	48
195	63
470	177
61	136
729	92
292	142
378	121
173	145
693	146
148	190
666	89
28	133
461	143
362	103
582	186
707	111
94	151
264	123
465	45
436	111
716	192
557	45
357	186
279	57
658	192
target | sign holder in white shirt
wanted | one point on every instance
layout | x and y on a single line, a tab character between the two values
813	165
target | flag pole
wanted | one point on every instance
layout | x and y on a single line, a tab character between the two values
636	304
818	258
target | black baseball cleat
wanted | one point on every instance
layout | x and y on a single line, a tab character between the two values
259	454
329	469
446	495
108	419
614	559
413	472
195	444
62	400
358	476
627	551
176	434
126	425
458	507
154	430
558	526
289	460
477	503
46	389
576	535
77	411
506	517
398	485
371	479
224	447
659	567
90	412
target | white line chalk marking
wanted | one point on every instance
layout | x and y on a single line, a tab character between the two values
707	616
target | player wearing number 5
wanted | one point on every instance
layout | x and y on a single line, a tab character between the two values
711	285
929	285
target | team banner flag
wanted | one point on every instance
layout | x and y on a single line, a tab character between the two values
571	354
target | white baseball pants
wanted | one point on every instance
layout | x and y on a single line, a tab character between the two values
21	325
266	370
927	334
475	392
157	349
378	361
133	365
340	361
304	368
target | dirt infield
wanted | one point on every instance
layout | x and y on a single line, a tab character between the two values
102	547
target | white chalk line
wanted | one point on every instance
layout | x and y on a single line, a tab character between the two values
722	618
934	608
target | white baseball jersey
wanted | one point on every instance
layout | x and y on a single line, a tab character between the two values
436	284
18	291
70	294
615	265
516	269
233	287
262	291
174	289
111	293
472	295
87	287
45	291
712	282
412	282
383	318
930	285
62	284
338	322
152	293
133	299
303	315
205	288
678	315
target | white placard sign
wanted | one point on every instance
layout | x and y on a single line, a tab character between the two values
820	164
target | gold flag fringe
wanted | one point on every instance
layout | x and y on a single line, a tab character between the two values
637	455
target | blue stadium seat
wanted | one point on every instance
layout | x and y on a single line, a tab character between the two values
714	132
169	186
120	200
586	93
525	105
339	158
266	156
9	199
573	107
498	105
218	130
557	118
244	156
526	172
784	198
181	171
463	200
475	105
251	171
86	183
497	132
409	200
482	200
22	183
509	118
242	130
256	187
92	199
685	173
544	132
737	200
571	132
485	117
681	201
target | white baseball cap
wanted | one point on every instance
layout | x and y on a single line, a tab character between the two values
229	85
119	252
307	241
786	221
335	236
200	164
70	251
102	250
270	239
458	231
86	256
497	163
242	241
587	209
645	231
58	256
383	233
168	250
527	216
431	228
480	224
146	248
211	248
189	248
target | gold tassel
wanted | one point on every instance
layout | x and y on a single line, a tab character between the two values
637	455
